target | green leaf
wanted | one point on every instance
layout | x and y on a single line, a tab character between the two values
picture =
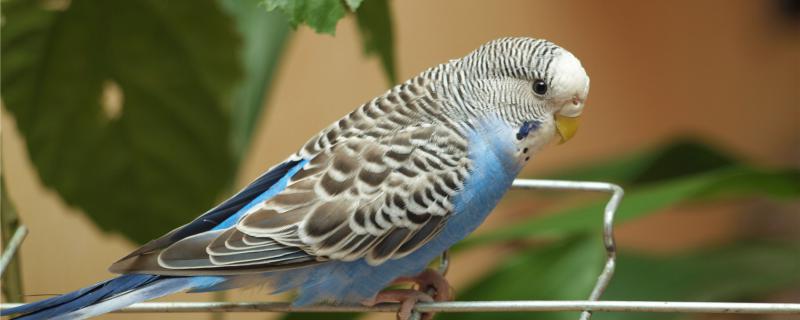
565	271
123	106
726	182
373	17
375	24
736	272
264	36
320	15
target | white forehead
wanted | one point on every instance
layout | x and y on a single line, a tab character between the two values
569	77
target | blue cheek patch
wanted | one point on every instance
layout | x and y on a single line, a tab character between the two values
526	128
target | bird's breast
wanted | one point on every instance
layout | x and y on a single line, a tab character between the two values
494	165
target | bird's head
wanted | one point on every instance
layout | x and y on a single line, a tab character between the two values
527	82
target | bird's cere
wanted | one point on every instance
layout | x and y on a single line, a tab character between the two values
573	79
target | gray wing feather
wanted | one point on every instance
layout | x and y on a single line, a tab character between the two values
374	198
378	185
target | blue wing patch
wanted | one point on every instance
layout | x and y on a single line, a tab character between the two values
225	211
275	188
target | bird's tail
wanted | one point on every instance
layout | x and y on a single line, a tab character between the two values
103	297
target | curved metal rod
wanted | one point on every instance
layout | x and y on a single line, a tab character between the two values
608	224
12	247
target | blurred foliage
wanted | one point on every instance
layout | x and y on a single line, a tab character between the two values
264	36
567	270
681	157
164	156
739	271
373	18
375	24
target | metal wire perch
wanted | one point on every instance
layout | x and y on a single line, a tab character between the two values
586	307
473	306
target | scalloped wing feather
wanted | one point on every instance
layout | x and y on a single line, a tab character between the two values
378	185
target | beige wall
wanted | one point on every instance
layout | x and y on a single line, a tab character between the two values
726	70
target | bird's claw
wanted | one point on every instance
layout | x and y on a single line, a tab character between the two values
407	298
431	279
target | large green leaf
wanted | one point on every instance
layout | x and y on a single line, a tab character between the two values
264	35
725	182
165	156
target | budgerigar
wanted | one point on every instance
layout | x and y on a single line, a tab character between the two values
370	200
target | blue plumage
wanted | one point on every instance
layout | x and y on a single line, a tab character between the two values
350	282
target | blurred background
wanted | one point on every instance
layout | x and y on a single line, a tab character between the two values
123	119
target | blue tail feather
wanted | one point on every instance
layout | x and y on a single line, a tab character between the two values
127	289
81	298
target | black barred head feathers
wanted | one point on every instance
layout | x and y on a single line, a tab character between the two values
519	79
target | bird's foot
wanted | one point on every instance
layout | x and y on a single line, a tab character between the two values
430	286
430	279
407	298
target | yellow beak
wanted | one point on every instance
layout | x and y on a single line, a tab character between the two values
566	126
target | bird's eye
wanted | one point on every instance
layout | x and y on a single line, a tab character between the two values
540	87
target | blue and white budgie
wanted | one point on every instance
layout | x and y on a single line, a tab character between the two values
371	199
